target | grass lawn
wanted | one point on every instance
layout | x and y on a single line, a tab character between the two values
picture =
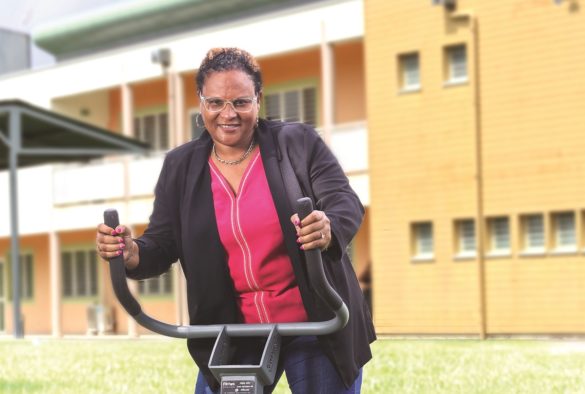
399	366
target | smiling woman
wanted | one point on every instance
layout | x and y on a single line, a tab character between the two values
222	207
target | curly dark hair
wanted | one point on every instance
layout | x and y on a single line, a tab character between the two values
227	59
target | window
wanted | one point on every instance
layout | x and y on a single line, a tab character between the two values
80	273
499	236
26	264
161	285
456	62
409	72
293	105
196	130
533	234
465	230
423	241
565	238
153	129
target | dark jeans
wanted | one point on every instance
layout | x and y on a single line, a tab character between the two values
308	370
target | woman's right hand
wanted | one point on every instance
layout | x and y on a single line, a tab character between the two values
111	243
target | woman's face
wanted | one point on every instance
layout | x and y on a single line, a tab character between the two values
228	127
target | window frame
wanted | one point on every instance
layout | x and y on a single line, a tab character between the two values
561	249
492	234
293	86
27	276
145	285
460	251
417	252
527	248
88	250
449	53
140	117
403	73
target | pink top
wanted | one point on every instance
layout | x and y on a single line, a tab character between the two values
250	232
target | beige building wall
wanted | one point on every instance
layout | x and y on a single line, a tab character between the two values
424	163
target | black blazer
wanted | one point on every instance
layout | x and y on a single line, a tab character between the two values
183	226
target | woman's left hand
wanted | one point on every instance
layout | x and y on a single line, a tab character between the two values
314	231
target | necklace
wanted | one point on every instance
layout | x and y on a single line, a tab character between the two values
237	161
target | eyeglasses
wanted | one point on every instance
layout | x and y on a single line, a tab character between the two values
240	104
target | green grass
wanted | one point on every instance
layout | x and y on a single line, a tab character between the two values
399	366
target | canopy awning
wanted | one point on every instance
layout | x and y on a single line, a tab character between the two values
30	135
44	136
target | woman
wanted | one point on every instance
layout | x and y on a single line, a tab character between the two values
222	207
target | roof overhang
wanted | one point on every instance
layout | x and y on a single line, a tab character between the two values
125	23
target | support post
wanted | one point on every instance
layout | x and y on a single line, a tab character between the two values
15	142
327	76
55	278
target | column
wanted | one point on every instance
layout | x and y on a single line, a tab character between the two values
328	88
128	131
55	279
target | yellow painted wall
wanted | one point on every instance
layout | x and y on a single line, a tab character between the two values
423	162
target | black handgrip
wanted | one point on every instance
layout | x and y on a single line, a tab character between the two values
315	270
118	271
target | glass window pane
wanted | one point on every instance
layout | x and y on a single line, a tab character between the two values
149	131
310	106
410	71
457	63
467	236
292	106
163	132
154	285
93	273
168	283
423	238
67	274
534	227
565	230
81	273
137	129
272	106
500	234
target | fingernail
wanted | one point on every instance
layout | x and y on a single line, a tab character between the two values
121	246
299	240
121	240
114	232
297	223
302	247
119	252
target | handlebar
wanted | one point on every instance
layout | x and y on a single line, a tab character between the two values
317	280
